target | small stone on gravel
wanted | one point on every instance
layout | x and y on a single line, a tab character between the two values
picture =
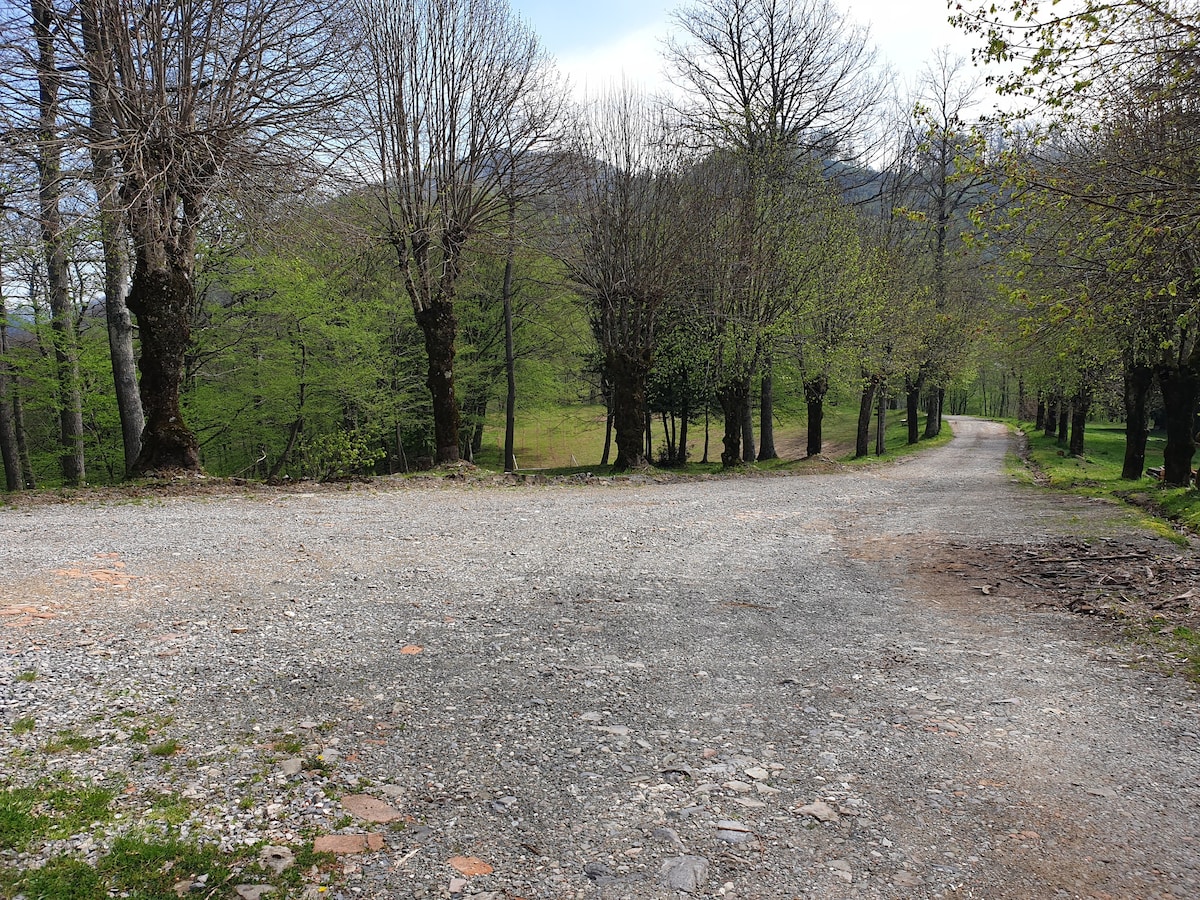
685	873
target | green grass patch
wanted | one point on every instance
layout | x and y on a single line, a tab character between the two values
168	747
18	822
1181	505
569	440
150	868
61	879
143	865
145	730
170	809
289	744
50	812
896	443
70	740
1187	647
1097	473
23	725
548	437
28	675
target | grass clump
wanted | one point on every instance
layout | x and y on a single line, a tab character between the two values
71	740
23	725
18	822
28	675
168	747
1187	648
50	812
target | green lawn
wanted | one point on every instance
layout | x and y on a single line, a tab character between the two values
571	439
1098	472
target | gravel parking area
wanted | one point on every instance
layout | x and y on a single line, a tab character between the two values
743	688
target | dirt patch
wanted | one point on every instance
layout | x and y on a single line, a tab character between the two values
1139	588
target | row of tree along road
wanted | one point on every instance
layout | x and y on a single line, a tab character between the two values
280	238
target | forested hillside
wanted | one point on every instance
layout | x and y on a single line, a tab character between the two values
275	239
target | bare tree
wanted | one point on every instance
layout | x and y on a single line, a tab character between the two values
49	152
625	253
773	84
761	75
198	99
114	238
9	452
942	180
454	92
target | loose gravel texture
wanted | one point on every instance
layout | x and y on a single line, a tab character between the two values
739	688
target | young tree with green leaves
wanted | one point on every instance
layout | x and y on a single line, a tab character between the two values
1121	79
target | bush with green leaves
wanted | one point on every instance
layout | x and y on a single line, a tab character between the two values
340	454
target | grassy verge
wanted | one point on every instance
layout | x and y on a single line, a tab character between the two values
1098	474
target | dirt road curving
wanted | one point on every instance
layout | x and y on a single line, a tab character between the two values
742	688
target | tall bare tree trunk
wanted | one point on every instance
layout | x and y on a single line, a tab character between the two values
627	379
681	446
747	415
8	435
1051	424
866	407
733	399
933	412
1180	388
881	422
18	406
112	240
1080	406
510	359
62	314
439	325
606	393
1138	379
161	297
912	396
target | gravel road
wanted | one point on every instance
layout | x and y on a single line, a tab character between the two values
739	688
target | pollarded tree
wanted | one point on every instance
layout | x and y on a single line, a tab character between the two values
456	93
822	262
770	84
941	184
628	229
196	100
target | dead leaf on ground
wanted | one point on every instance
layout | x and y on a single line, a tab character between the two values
469	865
411	649
370	809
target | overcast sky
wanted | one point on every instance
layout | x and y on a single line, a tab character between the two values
595	42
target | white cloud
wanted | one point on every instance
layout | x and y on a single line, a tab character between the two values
635	58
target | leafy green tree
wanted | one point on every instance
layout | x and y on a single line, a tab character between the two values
1121	80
